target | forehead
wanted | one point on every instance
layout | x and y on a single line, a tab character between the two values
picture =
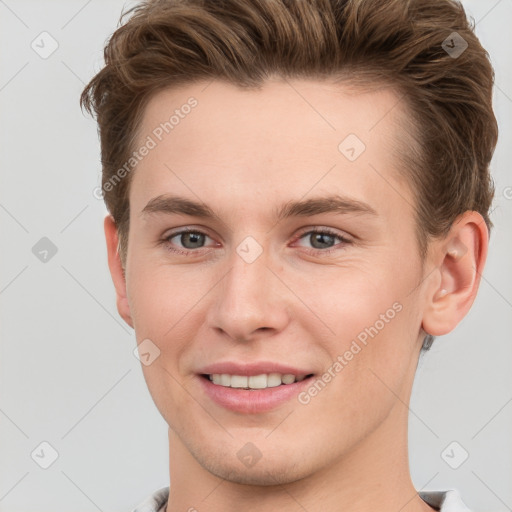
282	141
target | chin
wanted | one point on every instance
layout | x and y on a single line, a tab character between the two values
255	477
263	473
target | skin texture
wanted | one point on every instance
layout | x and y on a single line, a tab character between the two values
244	153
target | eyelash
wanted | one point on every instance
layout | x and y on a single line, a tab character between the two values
323	231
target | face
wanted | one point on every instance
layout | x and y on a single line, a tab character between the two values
301	259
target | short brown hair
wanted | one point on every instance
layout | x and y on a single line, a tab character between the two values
402	43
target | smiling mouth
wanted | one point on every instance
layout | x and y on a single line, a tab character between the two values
255	382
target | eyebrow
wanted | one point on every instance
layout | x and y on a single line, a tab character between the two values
169	204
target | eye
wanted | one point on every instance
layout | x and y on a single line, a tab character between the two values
190	240
324	240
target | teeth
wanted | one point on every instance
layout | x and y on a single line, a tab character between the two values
256	381
288	378
263	381
239	381
273	380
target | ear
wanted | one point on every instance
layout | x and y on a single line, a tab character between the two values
460	257
116	269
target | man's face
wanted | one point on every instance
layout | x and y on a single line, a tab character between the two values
247	287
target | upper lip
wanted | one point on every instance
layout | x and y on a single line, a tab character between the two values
253	368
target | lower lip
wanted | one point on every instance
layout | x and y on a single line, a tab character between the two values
252	401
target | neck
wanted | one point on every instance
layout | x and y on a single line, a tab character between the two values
374	475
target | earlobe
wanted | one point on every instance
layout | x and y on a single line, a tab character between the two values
116	269
461	255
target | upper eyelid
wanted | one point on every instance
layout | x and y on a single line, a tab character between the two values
302	231
315	229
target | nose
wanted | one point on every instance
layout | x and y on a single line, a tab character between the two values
250	301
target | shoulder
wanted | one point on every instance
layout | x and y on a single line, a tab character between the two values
444	501
154	502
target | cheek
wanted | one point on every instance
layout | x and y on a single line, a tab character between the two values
160	299
370	316
368	364
161	312
159	308
349	300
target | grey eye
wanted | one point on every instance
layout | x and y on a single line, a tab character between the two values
192	239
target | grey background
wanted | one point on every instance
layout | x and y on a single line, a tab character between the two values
67	370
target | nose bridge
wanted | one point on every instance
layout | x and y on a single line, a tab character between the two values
249	272
247	298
